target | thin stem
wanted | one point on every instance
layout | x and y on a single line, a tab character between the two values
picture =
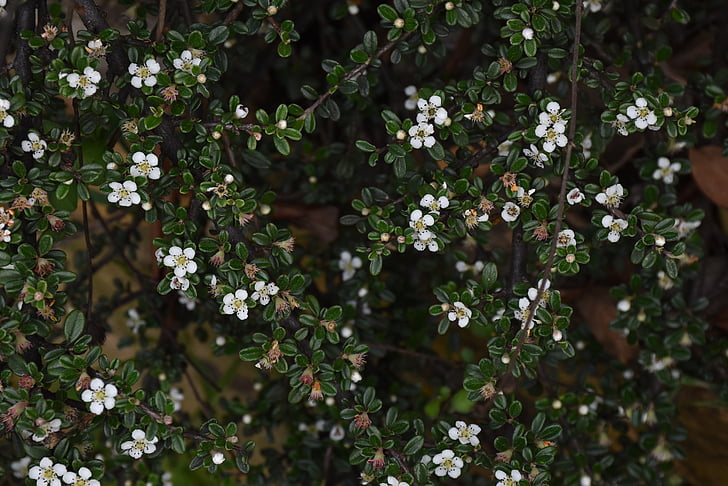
160	22
562	196
354	73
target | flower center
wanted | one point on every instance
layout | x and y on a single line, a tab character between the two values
144	72
238	304
99	395
3	114
144	167
615	227
123	193
49	473
36	145
447	463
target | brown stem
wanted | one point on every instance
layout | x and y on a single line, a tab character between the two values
562	199
160	21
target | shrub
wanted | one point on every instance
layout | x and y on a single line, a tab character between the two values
448	235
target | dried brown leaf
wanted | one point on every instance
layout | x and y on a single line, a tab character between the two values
710	172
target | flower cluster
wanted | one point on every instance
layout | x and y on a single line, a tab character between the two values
551	127
430	110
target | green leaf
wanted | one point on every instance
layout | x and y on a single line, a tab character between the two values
413	445
365	146
74	325
218	35
387	12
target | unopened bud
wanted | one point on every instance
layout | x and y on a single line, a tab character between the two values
659	240
282	124
201	78
398	23
229	179
401	135
216	135
146	205
206	205
272	10
449	6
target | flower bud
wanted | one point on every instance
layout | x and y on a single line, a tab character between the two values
201	78
282	124
398	23
241	111
216	135
401	135
449	6
272	10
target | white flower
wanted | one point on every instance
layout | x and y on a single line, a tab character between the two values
411	102
190	304
664	281
586	146
575	196
5	118
527	33
537	157
134	321
101	396
431	110
533	292
624	305
348	265
447	463
34	144
47	473
186	61
179	283
510	212
125	194
140	445
429	242
524	198
643	117
460	313
337	433
504	148
241	111
665	170
20	467
177	397
145	165
144	74
552	117
593	5
524	306
506	480
612	196
615	226
46	428
182	260
684	228
421	222
95	48
466	434
87	81
235	304
620	124
565	238
263	291
421	134
553	136
434	204
392	481
82	478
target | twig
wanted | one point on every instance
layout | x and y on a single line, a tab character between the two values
233	14
562	196
160	21
353	74
388	347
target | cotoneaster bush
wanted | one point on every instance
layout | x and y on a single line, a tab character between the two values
398	217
